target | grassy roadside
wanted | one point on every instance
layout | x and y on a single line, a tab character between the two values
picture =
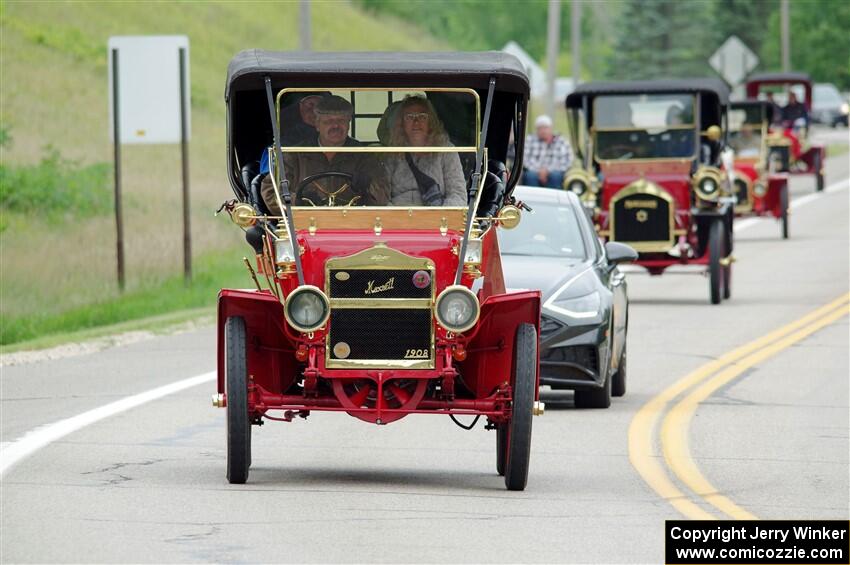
837	149
166	303
162	324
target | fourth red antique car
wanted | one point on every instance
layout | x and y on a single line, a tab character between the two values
790	149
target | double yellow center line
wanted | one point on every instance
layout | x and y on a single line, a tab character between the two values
693	389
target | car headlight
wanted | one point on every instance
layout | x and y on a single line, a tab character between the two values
577	186
706	183
457	308
584	306
307	308
577	298
845	108
708	186
759	189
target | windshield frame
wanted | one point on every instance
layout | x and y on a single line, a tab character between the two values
382	148
762	128
694	127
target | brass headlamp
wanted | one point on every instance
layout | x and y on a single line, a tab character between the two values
582	183
707	183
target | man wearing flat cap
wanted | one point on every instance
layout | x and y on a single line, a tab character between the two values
369	185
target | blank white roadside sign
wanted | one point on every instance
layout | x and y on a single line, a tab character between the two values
149	88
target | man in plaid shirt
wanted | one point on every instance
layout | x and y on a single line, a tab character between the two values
547	156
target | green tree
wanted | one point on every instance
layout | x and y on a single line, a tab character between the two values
659	39
820	41
744	18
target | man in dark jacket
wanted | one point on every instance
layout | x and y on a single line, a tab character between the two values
369	185
795	112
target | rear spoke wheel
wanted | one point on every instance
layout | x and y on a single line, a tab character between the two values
501	448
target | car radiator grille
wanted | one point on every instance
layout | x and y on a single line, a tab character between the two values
376	334
641	218
780	159
380	318
741	192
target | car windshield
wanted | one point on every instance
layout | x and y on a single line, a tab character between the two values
378	147
644	126
826	94
745	130
546	231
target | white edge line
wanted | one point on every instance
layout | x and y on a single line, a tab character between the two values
15	451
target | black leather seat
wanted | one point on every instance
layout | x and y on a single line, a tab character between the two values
251	181
493	192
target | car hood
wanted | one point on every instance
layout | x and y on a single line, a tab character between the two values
546	274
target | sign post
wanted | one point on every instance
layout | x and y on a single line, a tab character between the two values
116	140
149	103
184	154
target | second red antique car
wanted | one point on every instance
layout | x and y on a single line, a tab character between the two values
650	168
790	149
386	187
758	192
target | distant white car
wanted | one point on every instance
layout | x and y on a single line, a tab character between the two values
828	106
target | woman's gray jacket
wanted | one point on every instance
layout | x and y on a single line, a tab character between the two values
445	168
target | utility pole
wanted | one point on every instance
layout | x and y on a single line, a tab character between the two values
575	39
304	25
786	36
553	40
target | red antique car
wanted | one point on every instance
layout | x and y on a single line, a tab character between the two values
758	192
649	167
790	150
362	302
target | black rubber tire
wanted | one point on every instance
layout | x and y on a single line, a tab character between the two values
501	448
783	204
715	253
236	382
524	388
727	269
618	381
595	397
818	175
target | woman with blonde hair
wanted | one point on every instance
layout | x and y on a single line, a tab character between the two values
429	179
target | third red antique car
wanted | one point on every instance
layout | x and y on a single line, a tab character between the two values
790	149
386	187
758	191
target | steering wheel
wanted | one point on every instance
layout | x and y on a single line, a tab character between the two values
330	196
625	151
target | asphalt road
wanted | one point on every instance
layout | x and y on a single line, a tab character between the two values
148	484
